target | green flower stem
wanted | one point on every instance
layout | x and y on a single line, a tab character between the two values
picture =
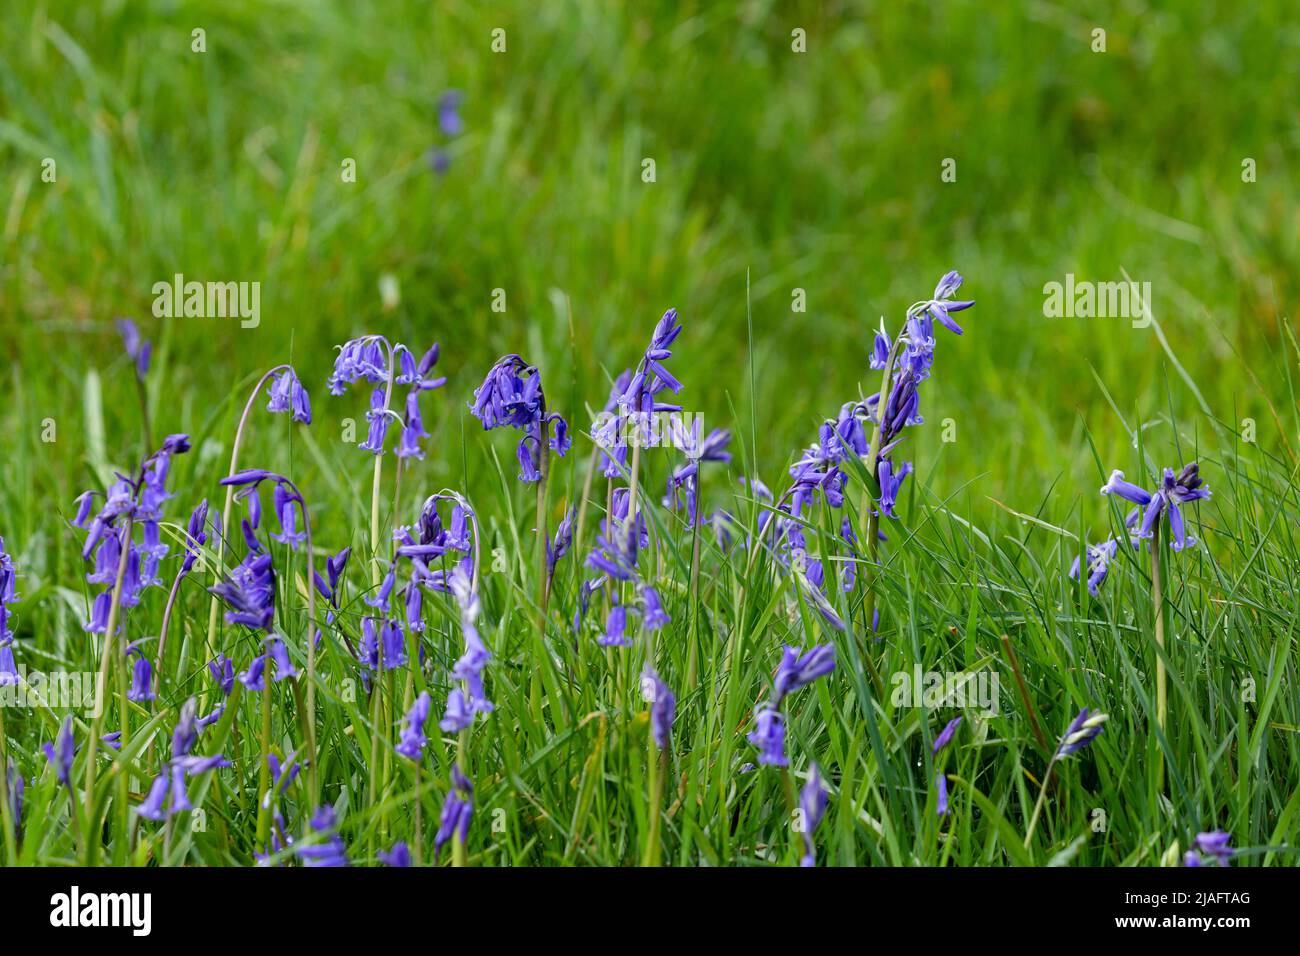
105	663
1038	806
214	605
6	814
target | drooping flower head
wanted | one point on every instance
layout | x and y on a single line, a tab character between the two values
1211	848
812	803
799	668
398	856
946	735
8	595
768	736
558	547
62	752
684	480
138	349
663	706
328	849
1081	732
1174	490
1100	557
413	740
511	396
457	810
373	359
287	394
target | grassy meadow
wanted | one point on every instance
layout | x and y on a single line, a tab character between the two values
613	161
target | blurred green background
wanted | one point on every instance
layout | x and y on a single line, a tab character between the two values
818	170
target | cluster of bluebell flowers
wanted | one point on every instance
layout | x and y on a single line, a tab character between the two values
511	396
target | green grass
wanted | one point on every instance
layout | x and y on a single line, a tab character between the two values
774	171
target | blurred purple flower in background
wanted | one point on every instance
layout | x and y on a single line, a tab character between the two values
812	803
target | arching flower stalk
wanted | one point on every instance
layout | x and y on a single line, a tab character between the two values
286	394
1174	490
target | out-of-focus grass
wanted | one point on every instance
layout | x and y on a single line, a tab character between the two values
818	171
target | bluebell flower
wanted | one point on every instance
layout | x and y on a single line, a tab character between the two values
139	497
663	706
287	502
393	644
511	396
288	395
249	592
196	536
606	433
186	732
382	598
768	736
457	716
813	798
1100	557
615	634
8	667
946	735
284	668
1081	732
330	851
457	810
62	752
398	856
1175	489
890	482
449	120
137	348
376	423
408	443
558	547
941	800
99	610
653	615
154	806
222	670
651	377
141	681
1214	846
359	359
282	775
334	568
254	678
684	480
413	740
942	305
800	668
469	668
8	595
414	607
